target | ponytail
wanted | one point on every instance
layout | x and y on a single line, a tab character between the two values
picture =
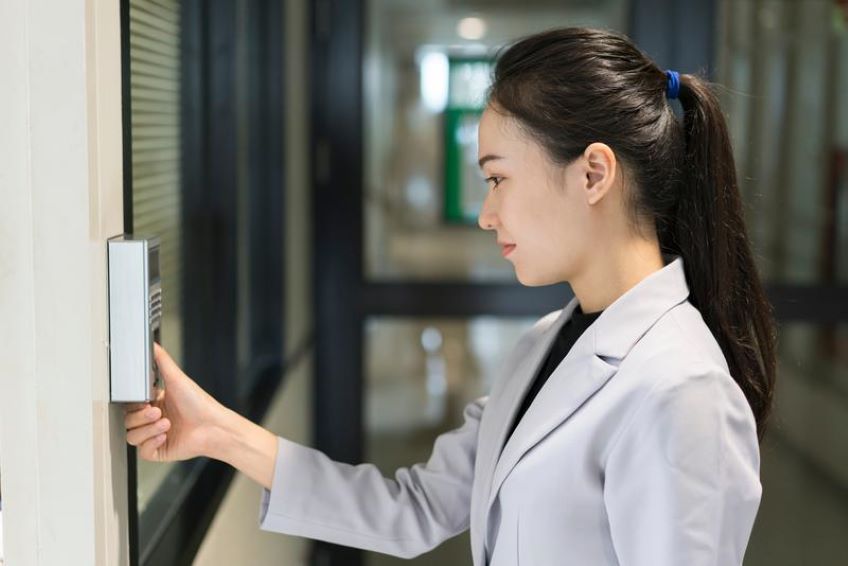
574	86
709	232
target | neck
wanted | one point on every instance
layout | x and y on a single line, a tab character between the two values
615	272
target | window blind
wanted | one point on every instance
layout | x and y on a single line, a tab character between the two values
155	134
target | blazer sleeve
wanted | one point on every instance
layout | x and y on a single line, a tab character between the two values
423	505
682	481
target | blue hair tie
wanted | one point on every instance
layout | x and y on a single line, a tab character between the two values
672	88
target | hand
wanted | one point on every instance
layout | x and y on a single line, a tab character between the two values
180	424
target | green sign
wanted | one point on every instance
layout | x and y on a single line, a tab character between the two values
469	79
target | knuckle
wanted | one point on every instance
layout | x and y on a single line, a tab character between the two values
138	435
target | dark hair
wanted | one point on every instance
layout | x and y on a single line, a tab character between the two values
568	88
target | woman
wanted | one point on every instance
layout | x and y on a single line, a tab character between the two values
624	428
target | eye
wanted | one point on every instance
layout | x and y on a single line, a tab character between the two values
494	179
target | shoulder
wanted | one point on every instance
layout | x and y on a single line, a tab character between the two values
678	349
681	392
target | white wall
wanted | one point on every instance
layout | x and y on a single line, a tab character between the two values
234	536
62	447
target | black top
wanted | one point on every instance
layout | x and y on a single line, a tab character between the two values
568	335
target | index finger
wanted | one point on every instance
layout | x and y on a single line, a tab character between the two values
167	365
132	407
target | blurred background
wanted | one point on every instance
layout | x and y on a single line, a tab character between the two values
311	171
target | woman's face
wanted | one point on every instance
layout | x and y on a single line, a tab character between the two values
539	211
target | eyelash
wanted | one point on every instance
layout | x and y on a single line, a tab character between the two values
494	178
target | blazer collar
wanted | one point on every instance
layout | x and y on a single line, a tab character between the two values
627	319
587	367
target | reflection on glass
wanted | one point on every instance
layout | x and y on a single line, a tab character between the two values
420	374
426	70
155	107
786	68
464	191
803	517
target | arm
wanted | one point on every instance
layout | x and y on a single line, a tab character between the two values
306	493
682	481
245	446
423	505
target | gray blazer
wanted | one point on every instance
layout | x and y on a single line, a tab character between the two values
639	450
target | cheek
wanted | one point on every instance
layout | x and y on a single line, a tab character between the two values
560	237
576	244
554	223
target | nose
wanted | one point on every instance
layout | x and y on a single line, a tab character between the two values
487	219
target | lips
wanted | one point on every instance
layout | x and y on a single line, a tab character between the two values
506	249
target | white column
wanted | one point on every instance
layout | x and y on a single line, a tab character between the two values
62	451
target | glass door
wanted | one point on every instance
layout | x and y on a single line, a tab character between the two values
203	141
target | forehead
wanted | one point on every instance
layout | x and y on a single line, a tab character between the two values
500	135
493	124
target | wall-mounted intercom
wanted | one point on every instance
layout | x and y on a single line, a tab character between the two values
135	317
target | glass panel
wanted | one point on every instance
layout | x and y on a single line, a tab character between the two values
420	374
804	513
426	68
155	109
786	68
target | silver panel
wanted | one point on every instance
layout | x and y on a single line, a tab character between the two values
134	318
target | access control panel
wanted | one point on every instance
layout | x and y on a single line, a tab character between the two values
135	317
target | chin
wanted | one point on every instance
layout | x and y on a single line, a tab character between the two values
535	279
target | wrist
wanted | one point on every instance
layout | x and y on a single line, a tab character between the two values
244	445
223	435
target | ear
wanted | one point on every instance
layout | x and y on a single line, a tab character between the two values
600	169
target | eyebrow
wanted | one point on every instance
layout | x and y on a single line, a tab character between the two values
486	158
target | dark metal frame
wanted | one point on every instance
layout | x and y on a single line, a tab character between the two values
820	304
173	526
126	119
336	114
675	36
265	105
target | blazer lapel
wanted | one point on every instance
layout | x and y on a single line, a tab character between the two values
574	381
497	419
515	388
